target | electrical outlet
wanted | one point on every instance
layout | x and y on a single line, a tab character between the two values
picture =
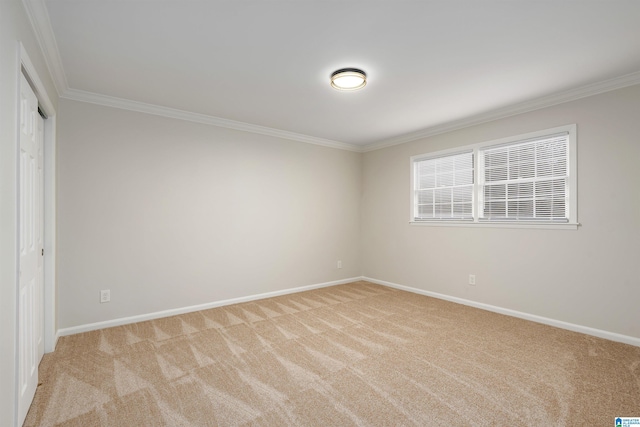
105	295
339	264
472	279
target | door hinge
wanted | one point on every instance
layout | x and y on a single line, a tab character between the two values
42	251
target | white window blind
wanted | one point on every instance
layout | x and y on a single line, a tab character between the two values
443	187
525	180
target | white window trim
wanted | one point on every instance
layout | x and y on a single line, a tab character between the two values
572	224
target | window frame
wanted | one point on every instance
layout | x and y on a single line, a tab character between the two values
572	222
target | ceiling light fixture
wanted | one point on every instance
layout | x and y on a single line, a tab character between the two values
348	79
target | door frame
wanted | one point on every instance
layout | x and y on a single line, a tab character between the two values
27	68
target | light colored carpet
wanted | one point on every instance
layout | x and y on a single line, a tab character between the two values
357	354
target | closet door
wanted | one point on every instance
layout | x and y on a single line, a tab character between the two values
30	292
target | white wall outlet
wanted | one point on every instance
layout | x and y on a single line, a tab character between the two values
472	279
105	296
339	264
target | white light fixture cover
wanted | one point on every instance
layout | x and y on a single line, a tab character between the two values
348	79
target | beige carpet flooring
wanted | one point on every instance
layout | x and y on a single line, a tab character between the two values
350	355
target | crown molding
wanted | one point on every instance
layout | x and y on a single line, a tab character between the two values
141	107
522	107
41	24
39	17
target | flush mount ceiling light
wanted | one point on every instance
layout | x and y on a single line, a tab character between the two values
348	79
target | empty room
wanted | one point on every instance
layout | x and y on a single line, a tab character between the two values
319	213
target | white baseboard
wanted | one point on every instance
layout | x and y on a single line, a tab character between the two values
526	316
176	311
532	317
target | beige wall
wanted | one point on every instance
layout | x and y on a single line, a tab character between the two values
588	277
168	214
14	28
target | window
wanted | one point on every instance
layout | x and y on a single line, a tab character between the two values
525	180
444	187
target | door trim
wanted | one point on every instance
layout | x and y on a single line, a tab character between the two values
50	329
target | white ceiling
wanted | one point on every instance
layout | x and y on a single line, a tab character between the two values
267	62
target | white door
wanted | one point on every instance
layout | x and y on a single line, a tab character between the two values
30	293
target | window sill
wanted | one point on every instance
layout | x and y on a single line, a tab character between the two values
472	224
